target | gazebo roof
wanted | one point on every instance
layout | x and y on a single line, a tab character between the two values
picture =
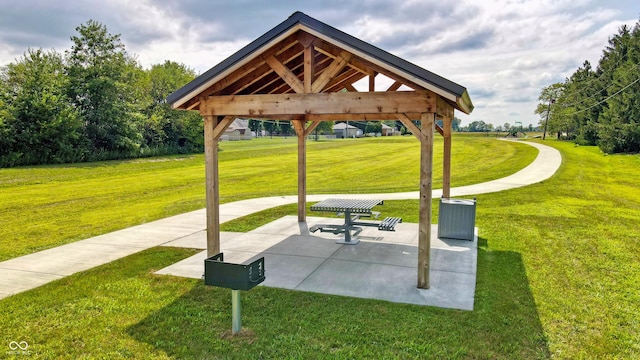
343	58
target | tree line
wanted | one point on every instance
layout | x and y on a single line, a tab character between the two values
599	106
94	102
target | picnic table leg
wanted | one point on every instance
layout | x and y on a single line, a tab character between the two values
347	226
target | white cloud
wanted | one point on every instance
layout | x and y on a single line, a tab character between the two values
502	51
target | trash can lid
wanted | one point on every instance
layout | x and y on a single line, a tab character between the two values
458	201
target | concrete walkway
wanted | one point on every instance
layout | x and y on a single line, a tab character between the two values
33	270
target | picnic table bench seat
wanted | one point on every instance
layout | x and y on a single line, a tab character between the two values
389	223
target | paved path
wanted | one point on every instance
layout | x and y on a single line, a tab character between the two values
33	270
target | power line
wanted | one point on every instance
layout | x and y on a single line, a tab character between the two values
599	91
609	97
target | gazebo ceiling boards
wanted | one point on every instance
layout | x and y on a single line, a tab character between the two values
304	71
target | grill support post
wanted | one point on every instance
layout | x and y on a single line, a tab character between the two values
236	309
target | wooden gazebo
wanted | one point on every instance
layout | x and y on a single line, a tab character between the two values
303	71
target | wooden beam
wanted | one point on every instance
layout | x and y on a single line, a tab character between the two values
406	121
306	39
350	88
395	86
298	127
309	67
324	103
302	169
289	77
443	108
439	130
334	51
354	117
427	121
348	76
222	126
261	73
270	84
446	158
311	127
364	65
334	69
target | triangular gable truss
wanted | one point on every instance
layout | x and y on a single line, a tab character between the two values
304	71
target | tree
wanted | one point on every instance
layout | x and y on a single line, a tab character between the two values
455	124
43	126
374	127
549	119
619	122
256	126
601	106
324	127
164	126
478	126
98	68
5	138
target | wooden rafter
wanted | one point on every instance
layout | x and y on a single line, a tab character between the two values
273	84
287	75
334	69
364	65
395	86
348	76
350	87
251	67
260	73
334	51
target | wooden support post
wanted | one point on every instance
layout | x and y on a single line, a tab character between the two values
298	125
372	81
426	171
446	158
309	67
212	185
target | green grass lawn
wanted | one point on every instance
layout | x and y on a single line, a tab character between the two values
558	276
46	206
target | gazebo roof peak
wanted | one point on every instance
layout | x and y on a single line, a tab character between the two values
273	64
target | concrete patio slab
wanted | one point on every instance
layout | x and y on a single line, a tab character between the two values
382	266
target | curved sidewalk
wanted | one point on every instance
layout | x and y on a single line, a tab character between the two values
33	270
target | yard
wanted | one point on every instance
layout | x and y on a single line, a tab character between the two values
558	262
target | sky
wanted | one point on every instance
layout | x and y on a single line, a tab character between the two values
503	51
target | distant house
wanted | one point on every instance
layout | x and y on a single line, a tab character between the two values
238	130
389	130
342	130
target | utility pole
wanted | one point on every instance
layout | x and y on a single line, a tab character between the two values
544	134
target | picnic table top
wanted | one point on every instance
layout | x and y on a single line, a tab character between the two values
342	205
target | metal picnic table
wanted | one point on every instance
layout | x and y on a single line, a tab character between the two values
352	209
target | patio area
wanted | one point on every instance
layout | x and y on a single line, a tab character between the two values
381	266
